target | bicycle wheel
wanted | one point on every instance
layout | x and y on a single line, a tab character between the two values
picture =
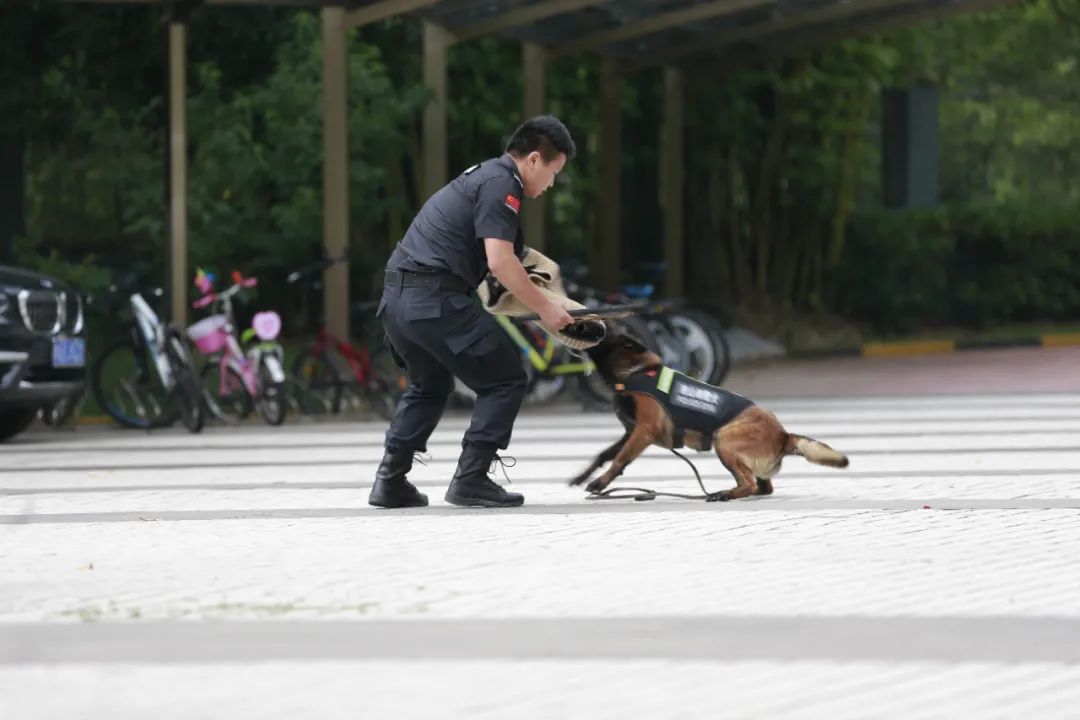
672	349
187	391
272	403
716	333
592	388
303	400
703	350
318	375
543	387
388	383
127	389
226	396
59	412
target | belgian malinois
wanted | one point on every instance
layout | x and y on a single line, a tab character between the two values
751	443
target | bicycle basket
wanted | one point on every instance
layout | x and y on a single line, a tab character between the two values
210	334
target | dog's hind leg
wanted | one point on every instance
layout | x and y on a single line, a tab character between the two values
604	457
639	439
746	482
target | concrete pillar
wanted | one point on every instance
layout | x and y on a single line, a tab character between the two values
671	181
910	154
178	230
335	170
608	259
437	41
534	65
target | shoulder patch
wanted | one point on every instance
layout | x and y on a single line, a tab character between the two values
513	203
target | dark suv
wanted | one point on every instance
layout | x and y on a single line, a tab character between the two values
42	346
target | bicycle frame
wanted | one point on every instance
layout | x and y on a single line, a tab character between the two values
542	362
152	332
358	358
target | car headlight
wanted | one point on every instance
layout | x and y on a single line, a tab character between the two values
73	312
5	309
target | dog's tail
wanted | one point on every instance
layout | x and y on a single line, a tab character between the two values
814	451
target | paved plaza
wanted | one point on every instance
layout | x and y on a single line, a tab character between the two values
241	574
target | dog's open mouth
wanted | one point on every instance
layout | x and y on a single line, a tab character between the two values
590	331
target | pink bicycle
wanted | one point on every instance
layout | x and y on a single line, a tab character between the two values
242	372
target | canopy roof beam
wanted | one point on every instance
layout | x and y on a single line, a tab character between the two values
384	10
522	16
655	24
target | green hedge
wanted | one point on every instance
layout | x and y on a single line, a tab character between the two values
970	266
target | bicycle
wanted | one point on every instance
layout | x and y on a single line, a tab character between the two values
60	412
154	374
248	374
689	340
548	363
369	372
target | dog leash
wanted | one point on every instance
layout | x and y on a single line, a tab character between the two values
643	494
601	311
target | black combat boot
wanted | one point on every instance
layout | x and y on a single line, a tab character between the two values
391	489
471	486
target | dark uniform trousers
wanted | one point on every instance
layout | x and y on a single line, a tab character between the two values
438	330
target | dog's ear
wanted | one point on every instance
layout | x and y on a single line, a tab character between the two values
632	344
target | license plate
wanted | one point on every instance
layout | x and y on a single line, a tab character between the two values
68	352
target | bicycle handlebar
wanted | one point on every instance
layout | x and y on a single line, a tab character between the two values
309	270
239	283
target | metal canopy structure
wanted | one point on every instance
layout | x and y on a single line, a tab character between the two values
638	33
629	36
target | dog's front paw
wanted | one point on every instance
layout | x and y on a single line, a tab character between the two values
598	485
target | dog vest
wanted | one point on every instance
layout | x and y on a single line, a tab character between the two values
691	404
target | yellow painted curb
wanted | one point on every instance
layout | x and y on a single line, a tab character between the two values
914	347
1061	339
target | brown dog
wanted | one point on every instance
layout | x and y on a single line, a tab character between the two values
749	440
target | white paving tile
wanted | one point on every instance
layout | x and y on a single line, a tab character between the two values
844	545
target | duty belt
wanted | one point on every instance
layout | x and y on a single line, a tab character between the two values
405	278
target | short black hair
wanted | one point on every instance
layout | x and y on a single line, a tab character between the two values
544	134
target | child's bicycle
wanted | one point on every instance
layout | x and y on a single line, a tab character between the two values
347	374
242	372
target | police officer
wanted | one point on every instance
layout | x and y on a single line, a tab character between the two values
438	330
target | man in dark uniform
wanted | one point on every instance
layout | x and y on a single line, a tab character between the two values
438	330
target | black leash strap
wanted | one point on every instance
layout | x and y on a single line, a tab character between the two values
601	311
643	494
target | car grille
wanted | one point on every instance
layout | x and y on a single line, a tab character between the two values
42	310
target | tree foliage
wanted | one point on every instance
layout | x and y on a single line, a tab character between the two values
783	163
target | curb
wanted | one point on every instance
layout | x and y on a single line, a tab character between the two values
911	348
907	348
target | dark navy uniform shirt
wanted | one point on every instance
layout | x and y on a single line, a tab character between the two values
447	235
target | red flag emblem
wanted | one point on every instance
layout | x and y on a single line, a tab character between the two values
513	203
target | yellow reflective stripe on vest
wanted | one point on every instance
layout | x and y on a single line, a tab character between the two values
664	383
